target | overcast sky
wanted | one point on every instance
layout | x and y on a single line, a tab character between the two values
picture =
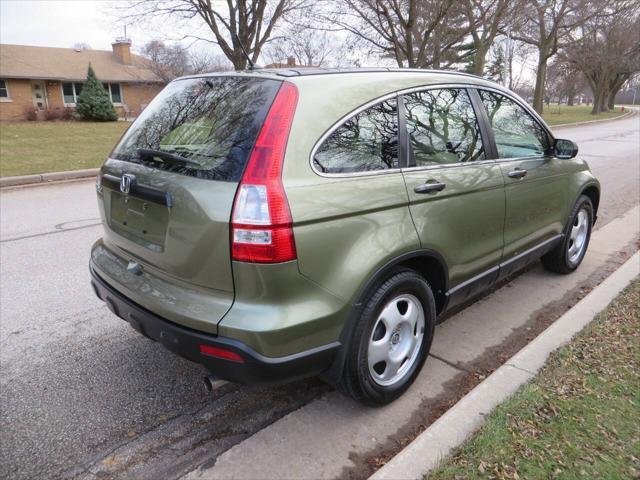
63	23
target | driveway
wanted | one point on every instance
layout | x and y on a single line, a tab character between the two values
83	395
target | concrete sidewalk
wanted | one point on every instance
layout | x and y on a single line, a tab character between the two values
335	437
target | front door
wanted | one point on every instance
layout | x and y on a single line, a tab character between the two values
536	186
39	94
456	195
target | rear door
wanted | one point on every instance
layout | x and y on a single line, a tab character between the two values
536	184
353	218
456	195
169	186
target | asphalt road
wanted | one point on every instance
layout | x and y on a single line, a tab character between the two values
76	383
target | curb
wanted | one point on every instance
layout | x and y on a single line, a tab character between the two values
578	124
467	416
47	177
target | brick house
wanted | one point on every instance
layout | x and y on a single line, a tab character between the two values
44	78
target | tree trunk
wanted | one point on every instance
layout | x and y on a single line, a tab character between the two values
600	101
541	77
604	101
616	85
571	94
479	60
595	110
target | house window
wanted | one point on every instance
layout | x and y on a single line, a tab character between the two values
70	92
114	92
4	90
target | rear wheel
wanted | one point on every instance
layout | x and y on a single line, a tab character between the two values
566	257
391	339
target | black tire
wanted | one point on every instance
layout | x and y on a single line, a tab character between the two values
559	260
357	380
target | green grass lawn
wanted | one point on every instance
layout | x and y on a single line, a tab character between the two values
555	115
40	147
577	419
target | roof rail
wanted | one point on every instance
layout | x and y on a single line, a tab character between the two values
308	71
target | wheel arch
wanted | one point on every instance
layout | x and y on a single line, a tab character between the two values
593	192
428	263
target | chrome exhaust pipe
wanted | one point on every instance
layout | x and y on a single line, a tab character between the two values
211	383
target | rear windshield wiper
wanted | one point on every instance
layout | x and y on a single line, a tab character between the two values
168	157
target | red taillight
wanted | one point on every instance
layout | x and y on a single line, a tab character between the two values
220	353
261	224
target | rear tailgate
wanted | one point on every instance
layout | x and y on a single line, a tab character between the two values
187	239
167	191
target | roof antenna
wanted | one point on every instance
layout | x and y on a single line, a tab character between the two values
252	66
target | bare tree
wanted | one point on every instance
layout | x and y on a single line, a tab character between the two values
234	24
415	33
607	52
308	47
485	18
172	61
564	81
426	33
203	61
548	25
81	46
167	61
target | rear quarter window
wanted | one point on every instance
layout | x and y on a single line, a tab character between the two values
200	127
366	142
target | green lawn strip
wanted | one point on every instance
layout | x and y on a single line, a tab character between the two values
555	115
577	419
41	147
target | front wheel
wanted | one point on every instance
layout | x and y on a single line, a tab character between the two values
391	340
568	255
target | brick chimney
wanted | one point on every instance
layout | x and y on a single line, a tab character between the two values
122	50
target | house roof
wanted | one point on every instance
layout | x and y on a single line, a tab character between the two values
47	63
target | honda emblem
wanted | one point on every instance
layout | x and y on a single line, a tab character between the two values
126	182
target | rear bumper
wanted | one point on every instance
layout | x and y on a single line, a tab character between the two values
255	368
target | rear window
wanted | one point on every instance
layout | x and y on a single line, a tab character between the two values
201	127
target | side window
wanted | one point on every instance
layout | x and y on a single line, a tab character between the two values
442	127
368	141
516	132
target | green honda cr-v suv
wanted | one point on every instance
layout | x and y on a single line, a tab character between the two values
276	224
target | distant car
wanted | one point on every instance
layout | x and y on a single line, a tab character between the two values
277	224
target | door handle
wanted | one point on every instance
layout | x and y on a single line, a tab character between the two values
430	186
517	173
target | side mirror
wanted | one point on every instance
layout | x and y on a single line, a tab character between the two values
564	149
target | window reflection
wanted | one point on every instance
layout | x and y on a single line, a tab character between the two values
367	141
516	132
210	122
442	128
